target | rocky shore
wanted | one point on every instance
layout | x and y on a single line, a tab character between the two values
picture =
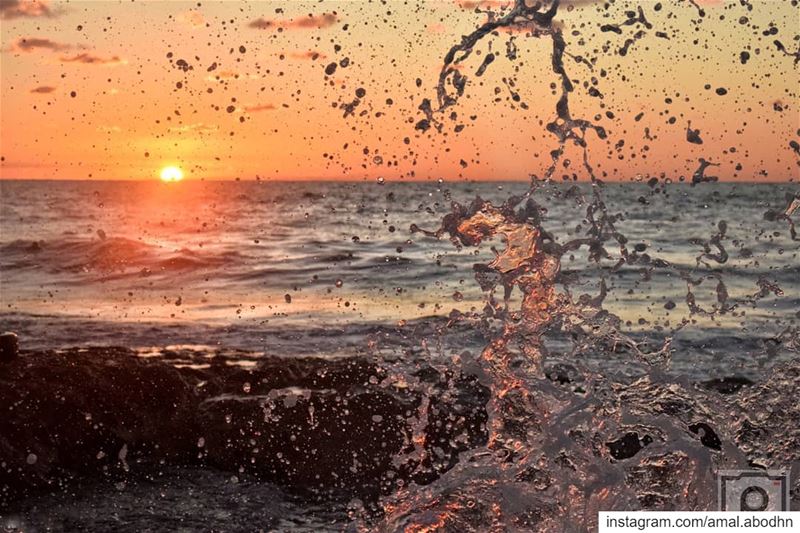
354	428
317	426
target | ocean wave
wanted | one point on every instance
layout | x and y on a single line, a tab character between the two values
105	255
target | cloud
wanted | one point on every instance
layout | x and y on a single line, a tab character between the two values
325	20
26	164
260	107
198	127
309	54
484	4
500	4
581	3
12	9
44	89
227	76
31	44
192	18
87	58
222	75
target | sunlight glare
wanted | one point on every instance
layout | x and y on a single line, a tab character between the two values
171	174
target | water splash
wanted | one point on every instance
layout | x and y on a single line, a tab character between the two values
564	445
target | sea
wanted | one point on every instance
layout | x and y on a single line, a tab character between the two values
310	268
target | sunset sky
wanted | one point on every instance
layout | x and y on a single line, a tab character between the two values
226	90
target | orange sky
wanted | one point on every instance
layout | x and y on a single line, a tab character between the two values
95	90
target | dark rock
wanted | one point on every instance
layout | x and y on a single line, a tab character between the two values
628	445
312	425
315	440
708	437
563	373
454	426
87	412
727	385
9	347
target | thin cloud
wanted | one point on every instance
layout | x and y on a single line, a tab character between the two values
25	164
13	9
31	44
194	19
87	58
227	76
581	3
309	54
484	4
44	89
198	127
500	4
326	20
223	75
261	107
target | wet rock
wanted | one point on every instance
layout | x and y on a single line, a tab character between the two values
308	424
671	481
767	430
457	421
87	412
328	427
708	437
563	373
628	445
727	385
316	440
9	347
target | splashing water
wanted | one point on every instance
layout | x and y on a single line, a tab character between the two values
563	446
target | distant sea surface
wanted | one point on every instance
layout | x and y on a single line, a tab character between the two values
316	268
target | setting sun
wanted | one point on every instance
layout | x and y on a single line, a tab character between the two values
170	174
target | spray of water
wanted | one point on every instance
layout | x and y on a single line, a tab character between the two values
563	446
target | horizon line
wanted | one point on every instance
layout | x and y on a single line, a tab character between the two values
389	180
